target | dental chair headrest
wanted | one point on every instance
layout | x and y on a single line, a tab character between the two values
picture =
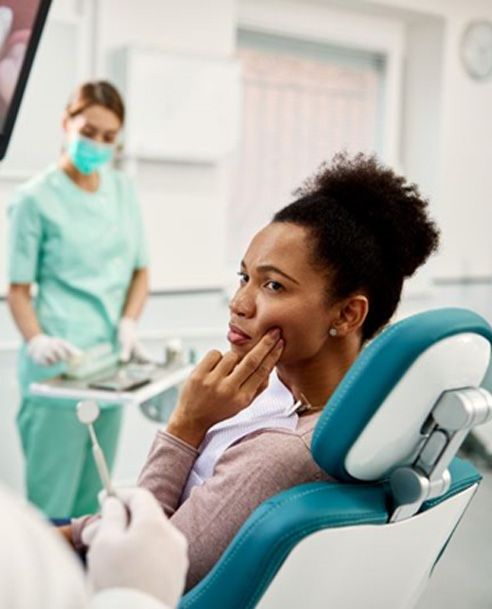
373	421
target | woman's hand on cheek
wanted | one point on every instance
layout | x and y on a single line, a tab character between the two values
221	386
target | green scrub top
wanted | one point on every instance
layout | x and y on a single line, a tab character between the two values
81	249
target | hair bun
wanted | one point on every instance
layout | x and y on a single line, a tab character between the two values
390	208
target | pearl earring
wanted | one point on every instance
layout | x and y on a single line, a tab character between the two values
332	332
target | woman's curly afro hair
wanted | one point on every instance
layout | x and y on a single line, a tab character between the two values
370	230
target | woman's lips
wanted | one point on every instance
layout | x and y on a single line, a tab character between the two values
237	336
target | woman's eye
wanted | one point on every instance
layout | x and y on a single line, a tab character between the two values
274	286
243	278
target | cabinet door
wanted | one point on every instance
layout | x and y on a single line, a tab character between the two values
180	108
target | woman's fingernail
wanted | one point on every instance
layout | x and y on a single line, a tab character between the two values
280	344
274	333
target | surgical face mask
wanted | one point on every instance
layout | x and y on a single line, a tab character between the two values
88	155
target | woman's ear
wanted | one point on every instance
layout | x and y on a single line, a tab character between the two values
352	314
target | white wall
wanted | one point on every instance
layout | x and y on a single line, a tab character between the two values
186	26
184	205
460	186
439	134
440	118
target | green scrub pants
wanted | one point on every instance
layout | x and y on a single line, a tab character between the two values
61	476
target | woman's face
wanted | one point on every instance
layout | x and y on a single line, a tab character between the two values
95	122
280	288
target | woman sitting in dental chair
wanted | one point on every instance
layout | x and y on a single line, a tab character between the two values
315	284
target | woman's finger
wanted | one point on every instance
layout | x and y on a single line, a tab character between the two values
254	359
263	371
225	366
208	362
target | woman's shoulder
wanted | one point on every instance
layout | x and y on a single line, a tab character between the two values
281	454
278	446
280	442
36	186
31	196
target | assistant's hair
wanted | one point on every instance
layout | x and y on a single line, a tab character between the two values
96	93
370	230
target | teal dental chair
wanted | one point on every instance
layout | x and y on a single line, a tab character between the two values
389	435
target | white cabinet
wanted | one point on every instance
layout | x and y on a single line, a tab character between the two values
180	108
182	124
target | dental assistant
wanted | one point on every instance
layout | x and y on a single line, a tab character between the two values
76	234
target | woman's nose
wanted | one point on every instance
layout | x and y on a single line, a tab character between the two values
242	303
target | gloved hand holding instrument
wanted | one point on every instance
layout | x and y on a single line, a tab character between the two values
134	545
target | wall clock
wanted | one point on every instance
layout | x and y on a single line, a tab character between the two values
476	49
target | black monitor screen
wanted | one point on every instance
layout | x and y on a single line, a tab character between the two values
21	24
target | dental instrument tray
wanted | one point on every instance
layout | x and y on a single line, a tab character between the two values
122	383
128	378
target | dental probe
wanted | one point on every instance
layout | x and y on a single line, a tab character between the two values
87	413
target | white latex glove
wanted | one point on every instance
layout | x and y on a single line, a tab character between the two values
134	545
47	350
127	338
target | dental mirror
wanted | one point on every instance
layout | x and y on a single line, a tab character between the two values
87	413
